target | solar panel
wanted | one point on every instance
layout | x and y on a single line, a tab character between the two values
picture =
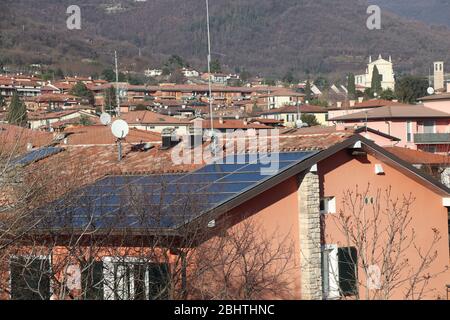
165	201
36	155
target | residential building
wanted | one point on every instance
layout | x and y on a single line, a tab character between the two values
155	122
417	126
300	204
291	114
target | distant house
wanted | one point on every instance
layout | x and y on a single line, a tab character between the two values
291	114
417	126
40	119
190	73
153	72
152	121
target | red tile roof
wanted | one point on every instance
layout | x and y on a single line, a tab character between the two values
395	112
15	139
232	124
305	108
419	157
101	135
149	117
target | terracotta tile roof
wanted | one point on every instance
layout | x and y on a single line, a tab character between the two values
101	135
13	138
376	103
149	117
305	108
233	124
395	112
55	97
442	96
419	157
49	115
267	121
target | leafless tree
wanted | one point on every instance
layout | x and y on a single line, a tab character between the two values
380	226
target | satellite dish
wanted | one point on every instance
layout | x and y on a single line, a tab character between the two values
430	91
105	119
120	129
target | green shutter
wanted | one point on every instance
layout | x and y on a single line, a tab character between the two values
92	280
159	281
348	271
30	279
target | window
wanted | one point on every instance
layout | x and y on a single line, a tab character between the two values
330	275
409	131
130	279
339	272
328	205
429	126
30	278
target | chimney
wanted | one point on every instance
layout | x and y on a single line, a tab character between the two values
352	103
339	104
29	146
221	120
168	138
360	99
245	122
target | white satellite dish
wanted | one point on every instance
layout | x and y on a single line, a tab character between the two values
430	91
120	129
105	119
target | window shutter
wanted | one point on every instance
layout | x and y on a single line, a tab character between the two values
158	277
348	273
92	280
30	279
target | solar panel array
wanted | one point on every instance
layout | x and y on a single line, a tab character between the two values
164	201
37	155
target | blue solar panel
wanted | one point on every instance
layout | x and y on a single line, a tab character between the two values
37	155
168	201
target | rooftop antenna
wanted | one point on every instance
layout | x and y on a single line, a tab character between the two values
117	84
209	74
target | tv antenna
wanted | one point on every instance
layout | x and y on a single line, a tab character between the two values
213	137
120	130
117	83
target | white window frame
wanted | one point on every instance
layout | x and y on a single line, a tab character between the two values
333	291
409	131
109	276
329	204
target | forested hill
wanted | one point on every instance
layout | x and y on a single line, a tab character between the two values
262	36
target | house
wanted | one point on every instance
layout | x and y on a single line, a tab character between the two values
190	73
152	121
291	114
417	126
153	73
300	203
52	101
359	106
43	119
278	97
227	125
385	69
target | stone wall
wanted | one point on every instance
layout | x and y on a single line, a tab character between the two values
310	236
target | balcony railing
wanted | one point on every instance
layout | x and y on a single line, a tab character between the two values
432	138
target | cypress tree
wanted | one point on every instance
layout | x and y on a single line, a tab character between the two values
351	86
376	81
17	112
